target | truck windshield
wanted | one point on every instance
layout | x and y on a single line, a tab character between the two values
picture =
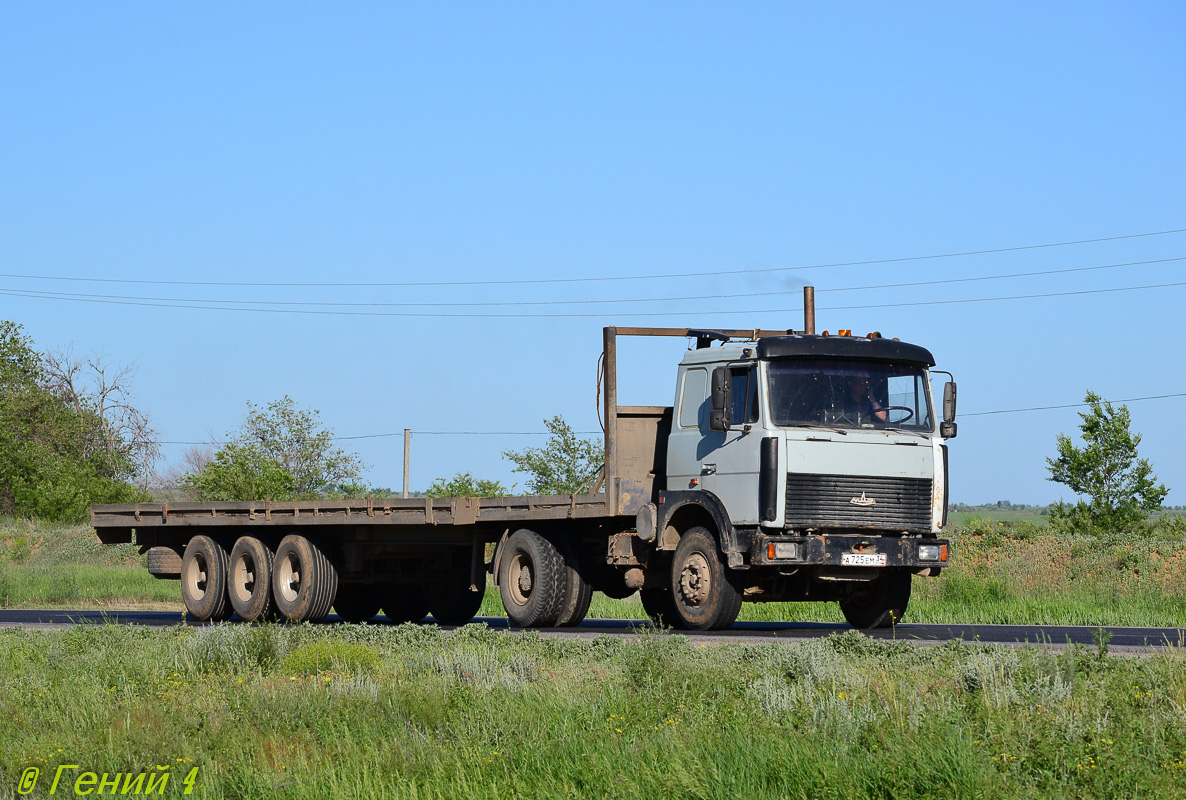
850	394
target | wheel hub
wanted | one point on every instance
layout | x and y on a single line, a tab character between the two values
244	578
290	578
521	579
695	582
196	577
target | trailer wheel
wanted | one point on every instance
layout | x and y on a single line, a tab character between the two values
453	602
405	604
357	602
304	581
250	578
578	591
204	580
532	578
704	594
882	604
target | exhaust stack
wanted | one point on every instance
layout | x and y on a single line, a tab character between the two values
809	309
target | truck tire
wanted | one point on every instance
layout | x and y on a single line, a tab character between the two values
164	563
578	592
357	602
304	581
882	604
453	602
250	579
533	580
705	596
204	580
659	605
405	604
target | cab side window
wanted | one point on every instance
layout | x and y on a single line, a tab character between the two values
745	396
693	400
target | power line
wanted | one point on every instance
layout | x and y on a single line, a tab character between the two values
414	433
318	305
687	313
1069	405
599	279
598	433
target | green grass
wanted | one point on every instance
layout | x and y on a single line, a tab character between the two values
410	712
1002	572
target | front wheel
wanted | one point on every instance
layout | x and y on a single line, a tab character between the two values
705	596
881	604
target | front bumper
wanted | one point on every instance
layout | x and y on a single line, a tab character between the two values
843	550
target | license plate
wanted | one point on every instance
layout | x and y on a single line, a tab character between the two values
862	559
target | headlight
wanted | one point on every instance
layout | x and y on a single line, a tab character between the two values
781	550
928	552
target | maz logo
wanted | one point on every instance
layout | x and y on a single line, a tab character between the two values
863	501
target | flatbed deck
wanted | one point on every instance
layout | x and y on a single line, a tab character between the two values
115	523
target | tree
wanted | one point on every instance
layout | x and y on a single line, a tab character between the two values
93	387
1121	488
280	452
464	484
241	472
56	455
564	465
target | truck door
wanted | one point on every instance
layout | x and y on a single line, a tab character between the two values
729	462
688	426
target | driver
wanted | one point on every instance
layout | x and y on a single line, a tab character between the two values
859	400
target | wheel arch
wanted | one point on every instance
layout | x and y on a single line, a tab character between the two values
683	510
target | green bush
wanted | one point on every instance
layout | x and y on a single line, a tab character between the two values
331	655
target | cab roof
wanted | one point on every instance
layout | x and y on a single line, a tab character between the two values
803	345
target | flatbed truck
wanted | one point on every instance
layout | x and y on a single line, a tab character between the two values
792	466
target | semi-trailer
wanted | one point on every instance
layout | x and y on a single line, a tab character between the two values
792	466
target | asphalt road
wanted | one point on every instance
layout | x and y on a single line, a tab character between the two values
1056	636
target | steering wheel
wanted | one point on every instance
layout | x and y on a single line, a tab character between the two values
909	412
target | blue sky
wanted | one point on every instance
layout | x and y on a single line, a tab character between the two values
377	144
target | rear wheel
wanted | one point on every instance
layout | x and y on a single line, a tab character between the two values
204	580
405	604
304	581
357	602
881	603
250	578
453	602
532	578
704	594
578	591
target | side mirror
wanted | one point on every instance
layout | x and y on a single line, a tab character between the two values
949	401
947	427
722	400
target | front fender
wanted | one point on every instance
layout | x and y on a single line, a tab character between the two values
669	505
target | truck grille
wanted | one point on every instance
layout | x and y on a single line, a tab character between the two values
827	501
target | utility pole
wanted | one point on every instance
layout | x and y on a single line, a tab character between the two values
407	456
